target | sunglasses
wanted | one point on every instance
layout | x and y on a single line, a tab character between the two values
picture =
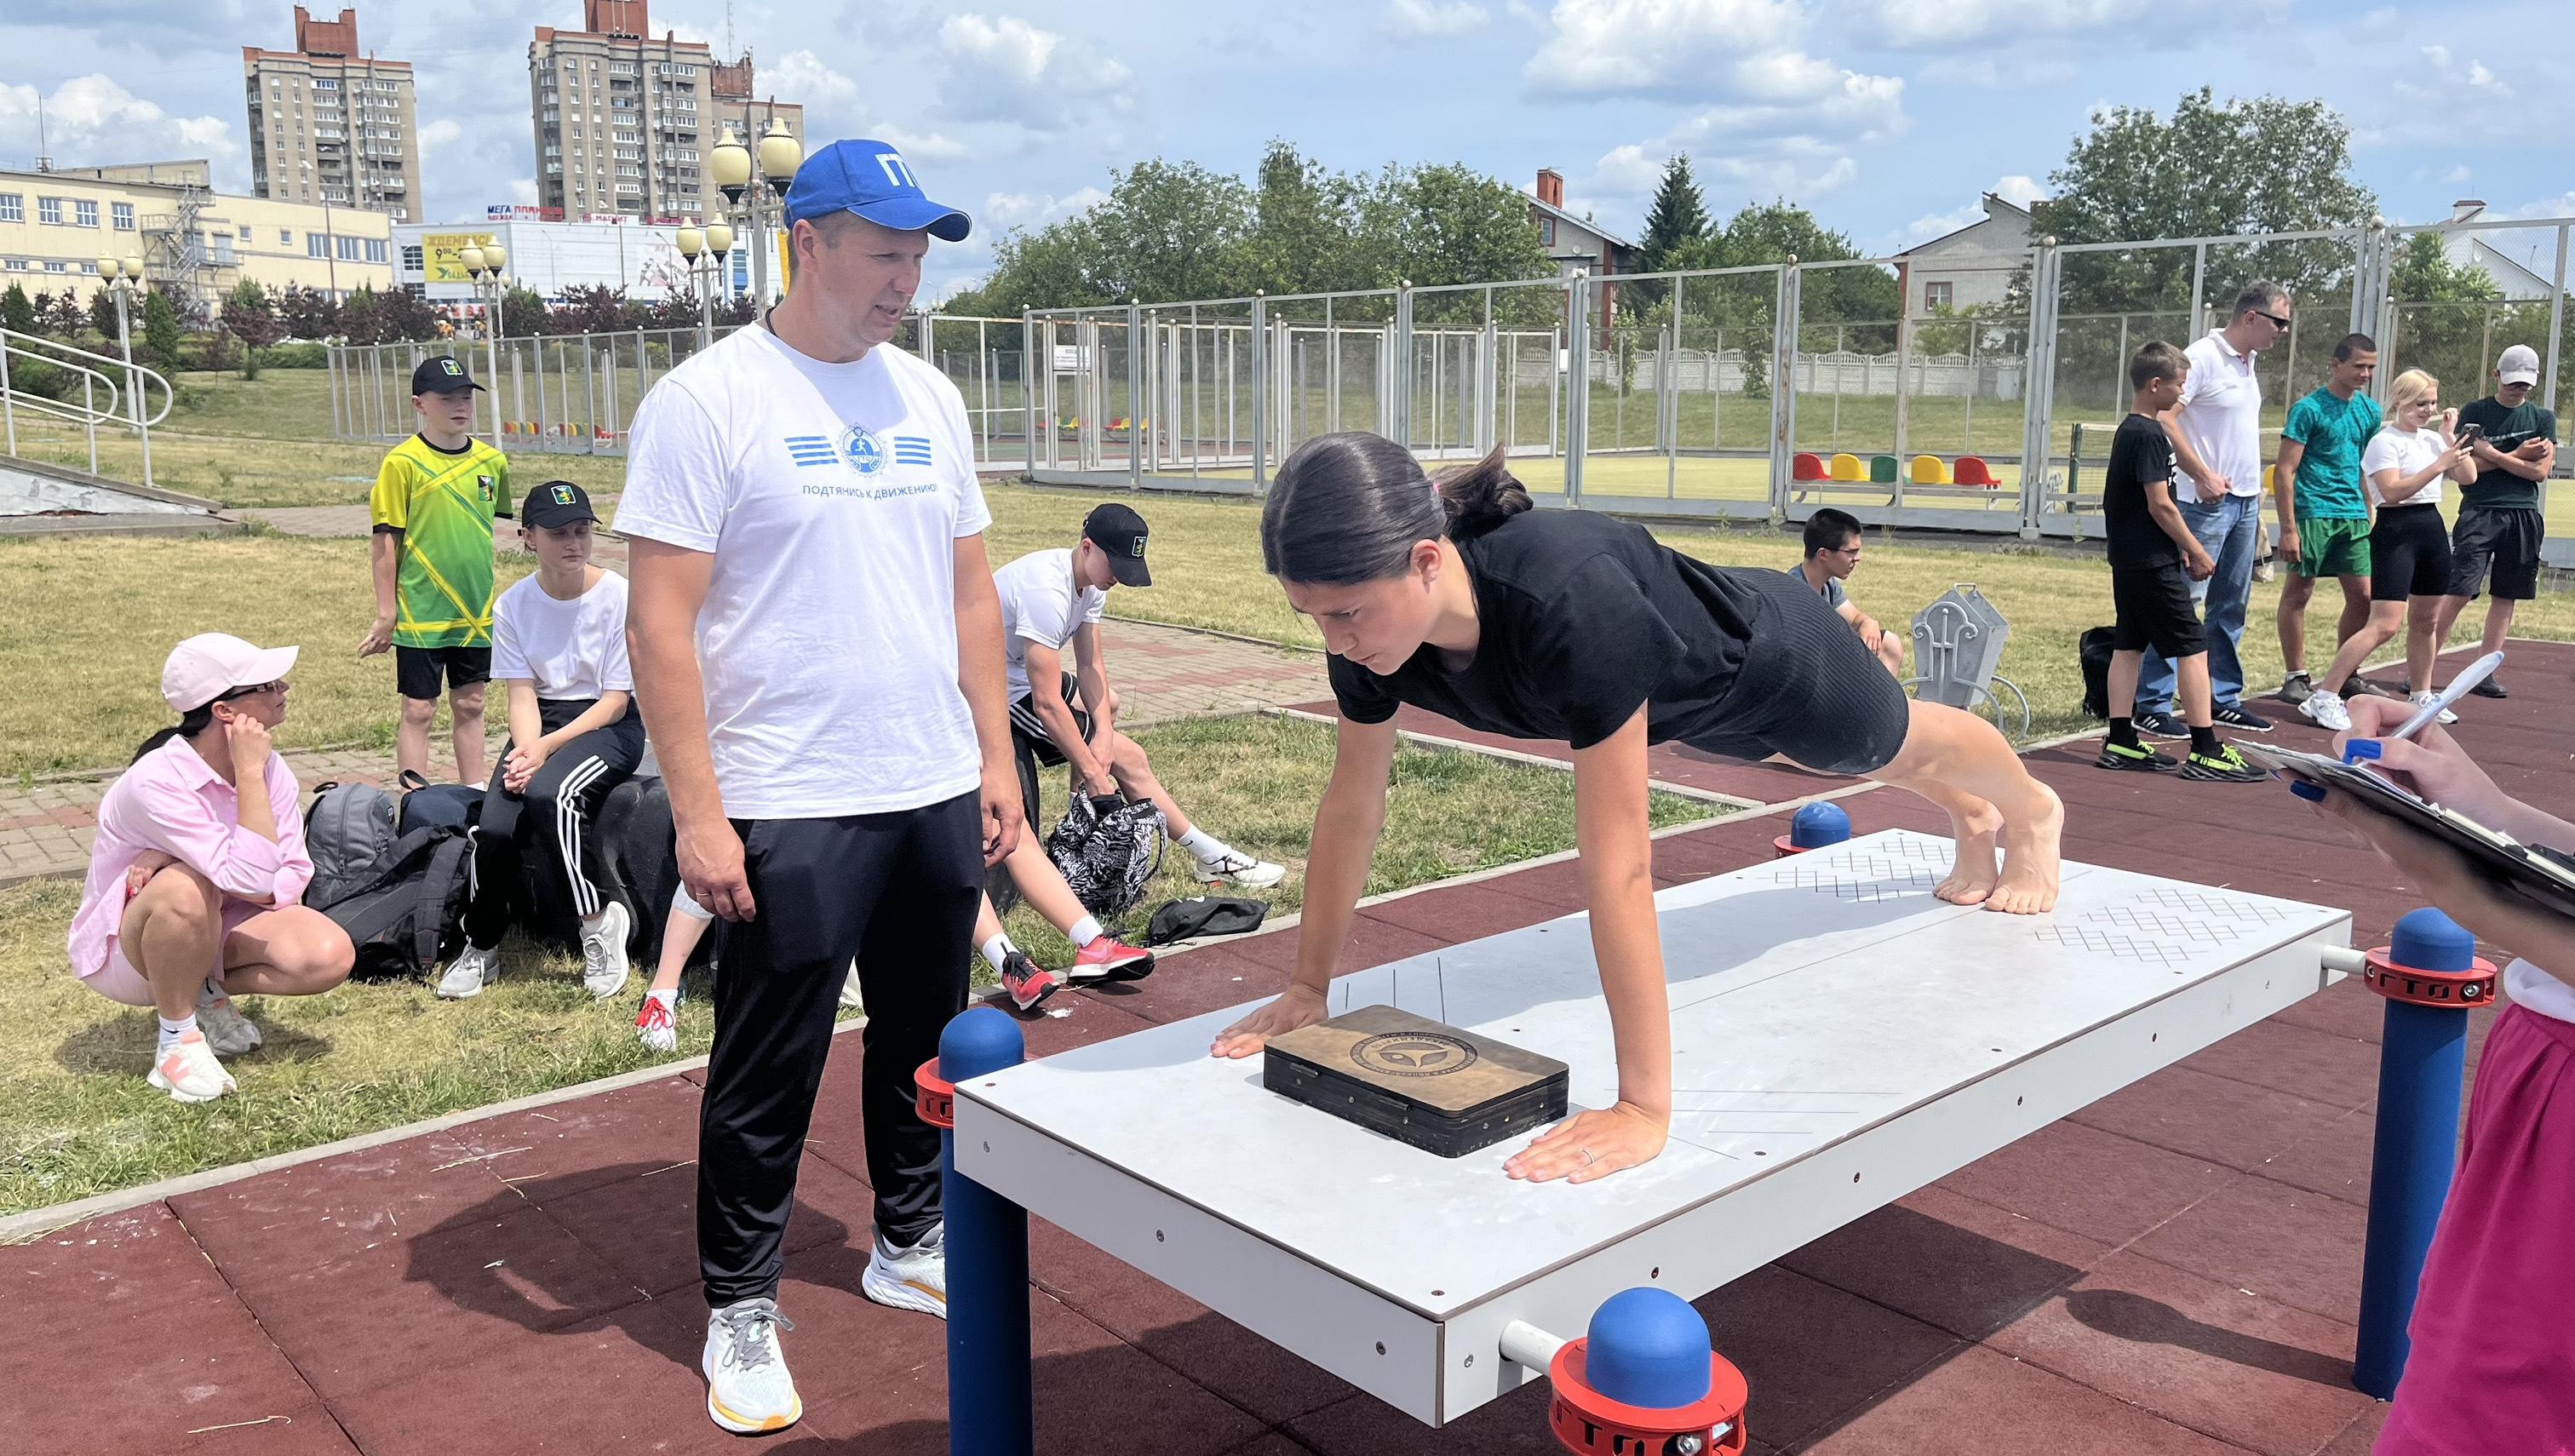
2277	322
254	689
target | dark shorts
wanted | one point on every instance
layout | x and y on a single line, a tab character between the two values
2154	611
417	670
2504	539
1811	691
1026	724
2409	554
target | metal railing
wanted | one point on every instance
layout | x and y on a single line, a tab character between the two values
103	401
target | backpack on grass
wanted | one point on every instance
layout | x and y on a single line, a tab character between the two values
401	898
2094	651
1108	847
425	803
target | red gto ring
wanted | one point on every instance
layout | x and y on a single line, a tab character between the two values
934	1098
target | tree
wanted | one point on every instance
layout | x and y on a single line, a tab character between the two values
598	309
2424	274
308	313
161	328
2263	165
1679	215
250	314
102	313
58	314
17	310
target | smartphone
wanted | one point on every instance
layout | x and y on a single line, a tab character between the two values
2469	433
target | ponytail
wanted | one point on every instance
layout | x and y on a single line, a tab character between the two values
194	721
1350	507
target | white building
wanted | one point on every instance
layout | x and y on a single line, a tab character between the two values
552	258
1970	268
2521	261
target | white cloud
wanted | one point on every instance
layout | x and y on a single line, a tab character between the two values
2017	189
1946	24
1008	70
436	137
1632	46
806	78
522	191
91	120
1003	210
1434	19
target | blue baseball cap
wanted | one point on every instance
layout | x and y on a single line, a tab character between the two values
871	179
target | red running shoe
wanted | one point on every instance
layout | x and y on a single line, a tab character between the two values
1109	958
1027	982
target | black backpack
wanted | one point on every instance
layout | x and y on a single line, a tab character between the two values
2094	651
1107	849
406	910
425	803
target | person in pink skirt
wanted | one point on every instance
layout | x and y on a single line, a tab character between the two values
2493	1363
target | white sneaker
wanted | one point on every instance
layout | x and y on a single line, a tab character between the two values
467	975
747	1387
602	953
1243	869
227	1031
2420	699
2325	710
915	1278
189	1072
656	1026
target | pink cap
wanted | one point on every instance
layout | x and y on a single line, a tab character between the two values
210	664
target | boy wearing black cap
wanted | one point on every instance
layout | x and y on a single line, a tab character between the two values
433	504
559	650
1050	598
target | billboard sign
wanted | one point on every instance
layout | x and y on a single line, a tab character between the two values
439	255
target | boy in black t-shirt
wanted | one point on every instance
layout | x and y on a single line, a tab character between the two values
2153	560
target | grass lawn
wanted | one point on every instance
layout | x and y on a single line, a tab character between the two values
79	1118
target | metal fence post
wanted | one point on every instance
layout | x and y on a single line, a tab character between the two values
1578	399
2038	388
2556	314
1029	364
1134	398
1259	394
1400	397
1783	385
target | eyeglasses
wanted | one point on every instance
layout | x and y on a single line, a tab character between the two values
254	689
2277	322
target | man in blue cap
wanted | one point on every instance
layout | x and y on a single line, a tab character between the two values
818	648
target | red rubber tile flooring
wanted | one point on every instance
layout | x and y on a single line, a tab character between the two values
2173	1269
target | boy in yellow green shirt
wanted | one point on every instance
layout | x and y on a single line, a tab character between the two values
433	504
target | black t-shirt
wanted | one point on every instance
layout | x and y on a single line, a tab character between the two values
2497	488
2140	453
1582	619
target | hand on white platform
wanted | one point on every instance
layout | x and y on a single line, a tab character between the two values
1296	1006
1593	1144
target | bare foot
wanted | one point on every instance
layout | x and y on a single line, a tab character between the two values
1971	873
2028	886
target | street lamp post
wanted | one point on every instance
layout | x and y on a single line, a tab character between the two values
707	251
484	264
764	175
121	277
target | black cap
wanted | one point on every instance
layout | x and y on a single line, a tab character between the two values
442	374
557	503
1120	532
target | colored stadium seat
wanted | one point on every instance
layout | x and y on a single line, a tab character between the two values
1973	470
1883	469
1848	468
1928	471
1808	466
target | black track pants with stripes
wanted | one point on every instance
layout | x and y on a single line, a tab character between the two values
550	820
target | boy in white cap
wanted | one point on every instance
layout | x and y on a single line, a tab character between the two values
2500	524
193	882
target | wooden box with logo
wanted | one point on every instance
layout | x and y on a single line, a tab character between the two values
1434	1086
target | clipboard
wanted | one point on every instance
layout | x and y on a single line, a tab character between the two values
2538	873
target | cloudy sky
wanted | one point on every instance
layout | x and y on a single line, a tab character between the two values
1886	117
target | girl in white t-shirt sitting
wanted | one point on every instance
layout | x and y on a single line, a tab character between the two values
2409	548
559	648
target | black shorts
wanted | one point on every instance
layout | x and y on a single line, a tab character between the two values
1026	724
1810	689
2409	554
417	670
2505	537
2155	610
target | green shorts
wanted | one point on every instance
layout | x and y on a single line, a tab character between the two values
2332	546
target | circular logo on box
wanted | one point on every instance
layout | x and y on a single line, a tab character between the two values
1414	1054
862	451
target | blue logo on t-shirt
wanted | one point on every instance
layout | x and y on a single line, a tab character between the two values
811	450
862	451
912	450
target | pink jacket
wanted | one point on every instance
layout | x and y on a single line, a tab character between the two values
172	801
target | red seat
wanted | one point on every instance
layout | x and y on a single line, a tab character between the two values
1805	466
1972	471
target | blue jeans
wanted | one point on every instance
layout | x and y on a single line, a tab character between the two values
2232	530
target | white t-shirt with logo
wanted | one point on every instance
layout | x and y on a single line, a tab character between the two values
573	650
2403	451
1039	604
832	496
2221	416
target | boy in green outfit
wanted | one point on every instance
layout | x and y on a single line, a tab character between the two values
2324	519
433	505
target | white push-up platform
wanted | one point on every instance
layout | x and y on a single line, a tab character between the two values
1840	1038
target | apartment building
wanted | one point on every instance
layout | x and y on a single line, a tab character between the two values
195	243
332	123
623	123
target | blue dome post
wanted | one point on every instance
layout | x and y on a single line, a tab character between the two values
1812	828
990	1409
2431	975
1642	1379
